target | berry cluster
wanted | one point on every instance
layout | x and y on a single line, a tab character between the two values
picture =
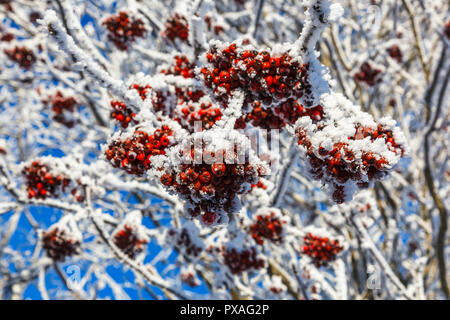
177	27
206	113
214	187
182	240
189	279
61	107
128	241
124	29
134	153
343	163
41	183
7	37
321	249
260	185
182	67
21	55
58	245
122	114
160	99
241	261
368	74
395	53
263	77
287	112
269	227
34	16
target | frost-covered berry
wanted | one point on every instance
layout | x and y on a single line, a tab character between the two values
124	29
128	240
34	16
267	226
368	74
395	53
186	240
59	244
7	37
181	67
63	108
122	114
176	28
41	183
190	279
239	261
22	56
321	250
204	112
133	154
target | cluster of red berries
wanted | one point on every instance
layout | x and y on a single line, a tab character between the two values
122	114
367	74
217	29
58	246
206	113
158	101
268	227
61	106
241	261
41	183
124	29
211	187
260	75
21	55
183	240
177	27
134	154
182	67
260	185
189	279
395	53
340	164
321	249
287	112
159	98
127	241
7	36
34	16
276	290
